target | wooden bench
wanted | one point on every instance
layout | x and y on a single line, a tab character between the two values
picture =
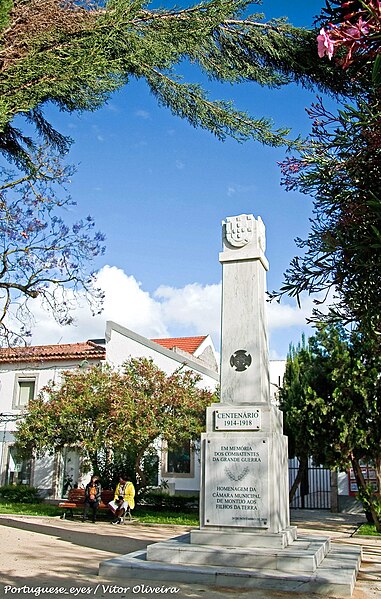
76	499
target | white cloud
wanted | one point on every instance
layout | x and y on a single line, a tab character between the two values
285	315
125	302
194	308
190	310
287	322
112	107
143	114
98	133
234	189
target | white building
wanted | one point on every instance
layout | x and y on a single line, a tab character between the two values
24	371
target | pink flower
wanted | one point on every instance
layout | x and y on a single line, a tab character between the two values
325	45
356	31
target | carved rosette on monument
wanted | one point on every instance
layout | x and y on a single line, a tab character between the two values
245	467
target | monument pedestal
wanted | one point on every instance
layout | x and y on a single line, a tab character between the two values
245	538
310	565
244	484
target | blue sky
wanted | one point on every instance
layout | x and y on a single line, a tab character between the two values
159	190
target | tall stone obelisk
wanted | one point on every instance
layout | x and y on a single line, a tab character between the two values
244	345
244	486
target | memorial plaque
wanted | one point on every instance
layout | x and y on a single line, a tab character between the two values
231	418
236	486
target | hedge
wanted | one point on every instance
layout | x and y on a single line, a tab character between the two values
162	500
19	494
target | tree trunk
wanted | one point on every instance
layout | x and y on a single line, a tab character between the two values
141	478
361	484
377	467
303	466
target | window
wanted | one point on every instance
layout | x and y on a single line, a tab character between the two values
179	460
25	389
18	471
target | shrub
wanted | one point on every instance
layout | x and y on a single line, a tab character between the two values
161	500
19	494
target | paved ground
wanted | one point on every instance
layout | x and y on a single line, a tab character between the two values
49	557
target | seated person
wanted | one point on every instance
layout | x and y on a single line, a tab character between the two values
93	492
124	499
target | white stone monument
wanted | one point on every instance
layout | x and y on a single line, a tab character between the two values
245	466
245	538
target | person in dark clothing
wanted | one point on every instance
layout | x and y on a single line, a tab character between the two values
93	492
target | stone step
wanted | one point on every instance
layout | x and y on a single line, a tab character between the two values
343	558
304	555
243	538
325	580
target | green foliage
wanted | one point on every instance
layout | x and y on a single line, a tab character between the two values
331	397
5	9
302	385
76	54
19	494
331	401
143	514
29	509
369	499
112	418
111	465
151	515
339	167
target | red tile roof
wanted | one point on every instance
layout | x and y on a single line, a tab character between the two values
86	350
188	344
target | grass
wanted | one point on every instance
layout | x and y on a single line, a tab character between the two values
152	516
145	515
29	509
368	530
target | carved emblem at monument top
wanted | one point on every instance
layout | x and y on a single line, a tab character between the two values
244	229
240	229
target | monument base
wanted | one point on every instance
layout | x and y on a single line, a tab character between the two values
228	537
309	564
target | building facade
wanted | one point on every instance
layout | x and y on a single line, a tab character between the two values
24	371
